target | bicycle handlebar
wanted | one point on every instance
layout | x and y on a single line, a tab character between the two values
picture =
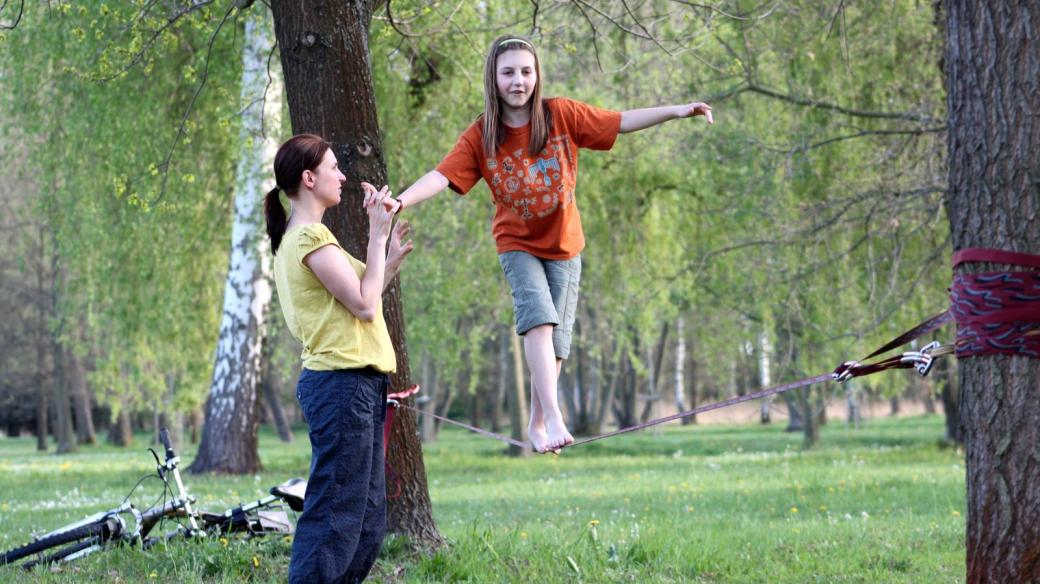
164	437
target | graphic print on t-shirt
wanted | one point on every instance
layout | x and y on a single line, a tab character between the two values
534	186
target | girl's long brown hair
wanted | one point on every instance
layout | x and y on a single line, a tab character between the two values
299	153
541	118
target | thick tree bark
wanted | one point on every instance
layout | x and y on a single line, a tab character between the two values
993	200
229	441
326	61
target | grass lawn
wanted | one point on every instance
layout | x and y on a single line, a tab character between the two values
690	504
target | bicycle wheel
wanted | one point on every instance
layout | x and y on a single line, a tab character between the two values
58	555
101	528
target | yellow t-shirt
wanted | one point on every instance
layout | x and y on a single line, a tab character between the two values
332	337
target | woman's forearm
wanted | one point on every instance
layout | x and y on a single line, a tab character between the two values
389	274
372	281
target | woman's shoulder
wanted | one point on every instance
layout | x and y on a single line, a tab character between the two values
309	237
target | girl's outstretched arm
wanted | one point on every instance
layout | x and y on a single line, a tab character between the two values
429	185
640	119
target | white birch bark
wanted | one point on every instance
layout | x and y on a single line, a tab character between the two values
231	413
680	360
763	376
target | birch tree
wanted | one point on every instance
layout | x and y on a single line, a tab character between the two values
229	439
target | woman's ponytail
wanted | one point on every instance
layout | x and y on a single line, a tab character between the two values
299	153
276	220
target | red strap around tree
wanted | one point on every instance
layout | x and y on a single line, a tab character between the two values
996	312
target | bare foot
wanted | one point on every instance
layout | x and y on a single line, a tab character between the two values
557	435
538	436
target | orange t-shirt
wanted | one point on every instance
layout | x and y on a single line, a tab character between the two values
535	209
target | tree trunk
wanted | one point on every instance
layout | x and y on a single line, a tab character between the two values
693	393
63	433
810	424
795	423
679	377
607	399
950	400
501	376
993	201
41	417
121	433
655	362
764	413
197	420
229	442
85	433
271	385
853	416
429	398
325	57
517	396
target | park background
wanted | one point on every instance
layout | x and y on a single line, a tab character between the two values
803	229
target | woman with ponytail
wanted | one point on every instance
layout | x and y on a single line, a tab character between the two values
331	303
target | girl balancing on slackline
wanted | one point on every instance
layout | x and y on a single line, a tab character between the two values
525	147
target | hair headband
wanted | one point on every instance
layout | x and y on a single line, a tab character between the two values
521	41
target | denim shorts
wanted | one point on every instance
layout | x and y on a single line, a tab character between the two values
544	292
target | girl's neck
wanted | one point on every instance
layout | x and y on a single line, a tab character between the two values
516	117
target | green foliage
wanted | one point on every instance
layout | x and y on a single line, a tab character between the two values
784	211
692	504
98	93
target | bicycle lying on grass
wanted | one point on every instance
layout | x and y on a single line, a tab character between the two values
107	528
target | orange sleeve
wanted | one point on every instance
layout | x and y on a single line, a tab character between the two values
591	127
462	165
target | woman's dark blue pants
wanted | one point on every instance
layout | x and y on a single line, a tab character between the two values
340	531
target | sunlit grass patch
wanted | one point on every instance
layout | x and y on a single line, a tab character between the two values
689	504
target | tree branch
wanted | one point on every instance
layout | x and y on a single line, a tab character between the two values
171	20
755	88
181	129
17	19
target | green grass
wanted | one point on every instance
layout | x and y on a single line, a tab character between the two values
690	504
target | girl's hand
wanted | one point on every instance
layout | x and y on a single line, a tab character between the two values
393	205
697	109
379	218
399	248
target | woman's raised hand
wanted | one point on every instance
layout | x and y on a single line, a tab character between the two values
400	246
379	217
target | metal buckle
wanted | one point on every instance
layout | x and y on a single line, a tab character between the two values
922	360
844	371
